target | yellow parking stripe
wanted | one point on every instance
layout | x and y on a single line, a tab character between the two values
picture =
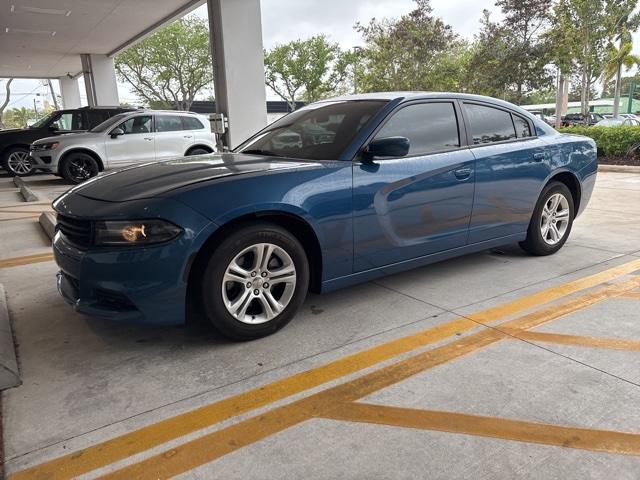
563	436
19	261
31	204
632	295
119	448
578	341
212	446
18	218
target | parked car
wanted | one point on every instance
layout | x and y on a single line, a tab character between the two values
572	119
618	122
407	179
125	139
14	143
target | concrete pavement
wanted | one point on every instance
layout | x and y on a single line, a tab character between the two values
493	365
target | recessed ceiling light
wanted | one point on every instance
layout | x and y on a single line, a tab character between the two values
20	31
41	11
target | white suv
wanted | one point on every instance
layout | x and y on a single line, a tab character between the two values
124	139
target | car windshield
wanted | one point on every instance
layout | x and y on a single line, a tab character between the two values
44	120
107	124
317	132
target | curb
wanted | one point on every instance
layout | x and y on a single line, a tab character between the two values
618	168
9	374
48	224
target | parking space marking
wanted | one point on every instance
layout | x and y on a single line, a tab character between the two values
209	447
26	260
18	218
31	204
621	443
579	341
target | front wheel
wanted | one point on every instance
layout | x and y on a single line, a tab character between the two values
551	221
17	162
255	281
78	167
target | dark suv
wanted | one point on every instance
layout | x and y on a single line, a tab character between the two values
571	119
14	143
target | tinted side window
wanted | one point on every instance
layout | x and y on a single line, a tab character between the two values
430	127
192	123
168	123
489	124
522	127
141	124
96	117
70	121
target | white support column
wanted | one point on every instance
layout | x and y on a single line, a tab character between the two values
238	66
100	80
70	91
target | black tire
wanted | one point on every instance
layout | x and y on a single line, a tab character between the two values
197	151
245	305
17	163
551	221
78	167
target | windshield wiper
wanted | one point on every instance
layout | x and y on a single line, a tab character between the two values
259	151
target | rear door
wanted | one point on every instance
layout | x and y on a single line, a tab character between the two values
511	164
136	145
172	139
420	204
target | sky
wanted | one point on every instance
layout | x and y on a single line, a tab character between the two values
287	20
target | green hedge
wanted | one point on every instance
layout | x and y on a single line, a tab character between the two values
611	141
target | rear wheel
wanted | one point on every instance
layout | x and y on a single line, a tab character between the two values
78	167
17	162
197	151
255	281
551	221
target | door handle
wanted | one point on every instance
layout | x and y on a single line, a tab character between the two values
188	136
462	173
148	138
538	157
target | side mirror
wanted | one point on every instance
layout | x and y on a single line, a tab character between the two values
116	132
387	147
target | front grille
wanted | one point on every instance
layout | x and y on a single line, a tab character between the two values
75	232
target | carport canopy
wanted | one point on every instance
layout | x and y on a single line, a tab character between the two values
65	40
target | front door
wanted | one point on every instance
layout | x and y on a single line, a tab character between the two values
420	204
136	145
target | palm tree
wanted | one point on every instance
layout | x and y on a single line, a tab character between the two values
621	57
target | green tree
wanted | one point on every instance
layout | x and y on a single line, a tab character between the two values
511	57
307	70
19	117
171	67
580	31
621	57
414	52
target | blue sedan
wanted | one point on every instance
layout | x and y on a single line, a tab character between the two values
338	192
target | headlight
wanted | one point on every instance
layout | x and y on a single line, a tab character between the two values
137	232
45	146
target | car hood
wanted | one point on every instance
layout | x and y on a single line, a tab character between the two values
157	178
80	136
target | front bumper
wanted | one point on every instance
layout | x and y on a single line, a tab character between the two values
44	160
132	284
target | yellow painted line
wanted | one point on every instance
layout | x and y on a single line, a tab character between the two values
138	441
27	211
29	259
632	295
622	443
18	218
578	341
217	444
212	446
2	208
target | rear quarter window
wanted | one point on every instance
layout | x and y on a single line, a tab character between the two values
192	123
